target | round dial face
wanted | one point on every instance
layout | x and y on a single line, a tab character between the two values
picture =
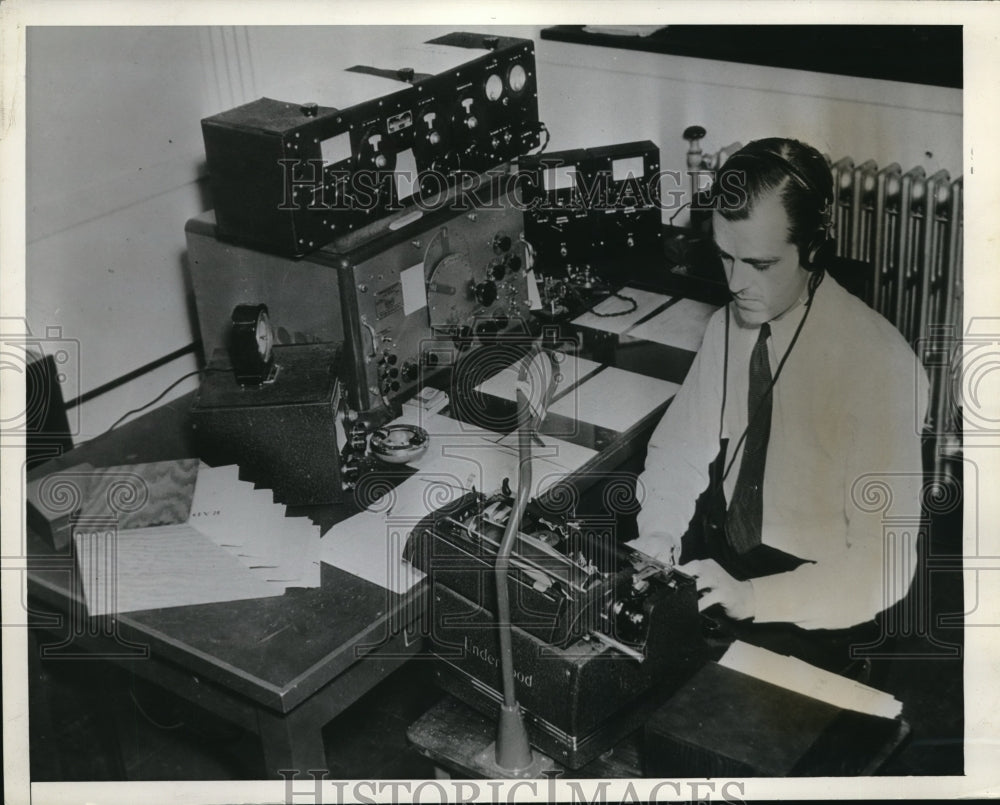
251	344
265	336
494	87
517	78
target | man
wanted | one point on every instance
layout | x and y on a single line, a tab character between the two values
800	398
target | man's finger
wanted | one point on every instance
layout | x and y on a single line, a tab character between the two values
707	600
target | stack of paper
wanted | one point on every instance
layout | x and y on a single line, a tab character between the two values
246	521
234	543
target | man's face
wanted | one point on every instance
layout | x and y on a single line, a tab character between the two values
762	267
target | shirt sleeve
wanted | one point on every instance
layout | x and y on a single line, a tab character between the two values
871	565
682	447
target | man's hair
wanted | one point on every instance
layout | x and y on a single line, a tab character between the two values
798	172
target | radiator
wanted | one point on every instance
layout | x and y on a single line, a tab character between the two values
907	230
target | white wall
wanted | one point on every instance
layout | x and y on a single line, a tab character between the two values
115	154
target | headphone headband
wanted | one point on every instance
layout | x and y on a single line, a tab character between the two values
825	228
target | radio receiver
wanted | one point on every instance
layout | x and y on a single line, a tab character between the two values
290	177
417	300
594	206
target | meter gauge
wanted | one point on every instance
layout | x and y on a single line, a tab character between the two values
517	78
494	87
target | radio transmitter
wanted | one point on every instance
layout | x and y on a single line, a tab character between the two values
594	206
416	301
292	177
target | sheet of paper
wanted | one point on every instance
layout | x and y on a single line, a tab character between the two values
370	545
614	399
796	675
534	297
646	303
571	370
681	325
248	523
414	288
443	432
337	88
553	456
158	567
426	58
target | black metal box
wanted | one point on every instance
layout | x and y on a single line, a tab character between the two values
283	434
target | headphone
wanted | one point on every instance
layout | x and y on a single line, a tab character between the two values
815	253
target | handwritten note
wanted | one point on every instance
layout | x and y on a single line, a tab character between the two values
158	567
234	543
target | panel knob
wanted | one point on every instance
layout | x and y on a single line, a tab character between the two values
501	243
409	371
486	293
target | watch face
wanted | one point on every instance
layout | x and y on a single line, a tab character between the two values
265	337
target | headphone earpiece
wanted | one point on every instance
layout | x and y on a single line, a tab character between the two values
818	251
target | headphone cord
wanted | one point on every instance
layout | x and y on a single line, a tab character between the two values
814	282
634	306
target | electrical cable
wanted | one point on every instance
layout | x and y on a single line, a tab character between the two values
156	399
624	298
814	282
677	212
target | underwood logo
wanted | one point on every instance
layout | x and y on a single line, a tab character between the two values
489	658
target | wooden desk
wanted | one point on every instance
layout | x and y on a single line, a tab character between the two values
280	667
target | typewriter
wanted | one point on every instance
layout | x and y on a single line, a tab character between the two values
601	634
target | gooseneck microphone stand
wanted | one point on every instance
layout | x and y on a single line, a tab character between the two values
536	381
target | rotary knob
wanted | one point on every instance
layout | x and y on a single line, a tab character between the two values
409	372
501	243
486	293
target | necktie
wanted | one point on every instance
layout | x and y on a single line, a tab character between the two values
746	510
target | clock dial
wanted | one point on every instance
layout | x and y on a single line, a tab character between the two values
265	336
251	344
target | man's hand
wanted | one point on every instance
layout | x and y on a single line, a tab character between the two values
718	587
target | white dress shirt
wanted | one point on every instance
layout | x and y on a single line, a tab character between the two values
847	413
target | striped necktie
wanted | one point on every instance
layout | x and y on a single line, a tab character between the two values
746	510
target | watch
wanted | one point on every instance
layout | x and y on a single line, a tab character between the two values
252	344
